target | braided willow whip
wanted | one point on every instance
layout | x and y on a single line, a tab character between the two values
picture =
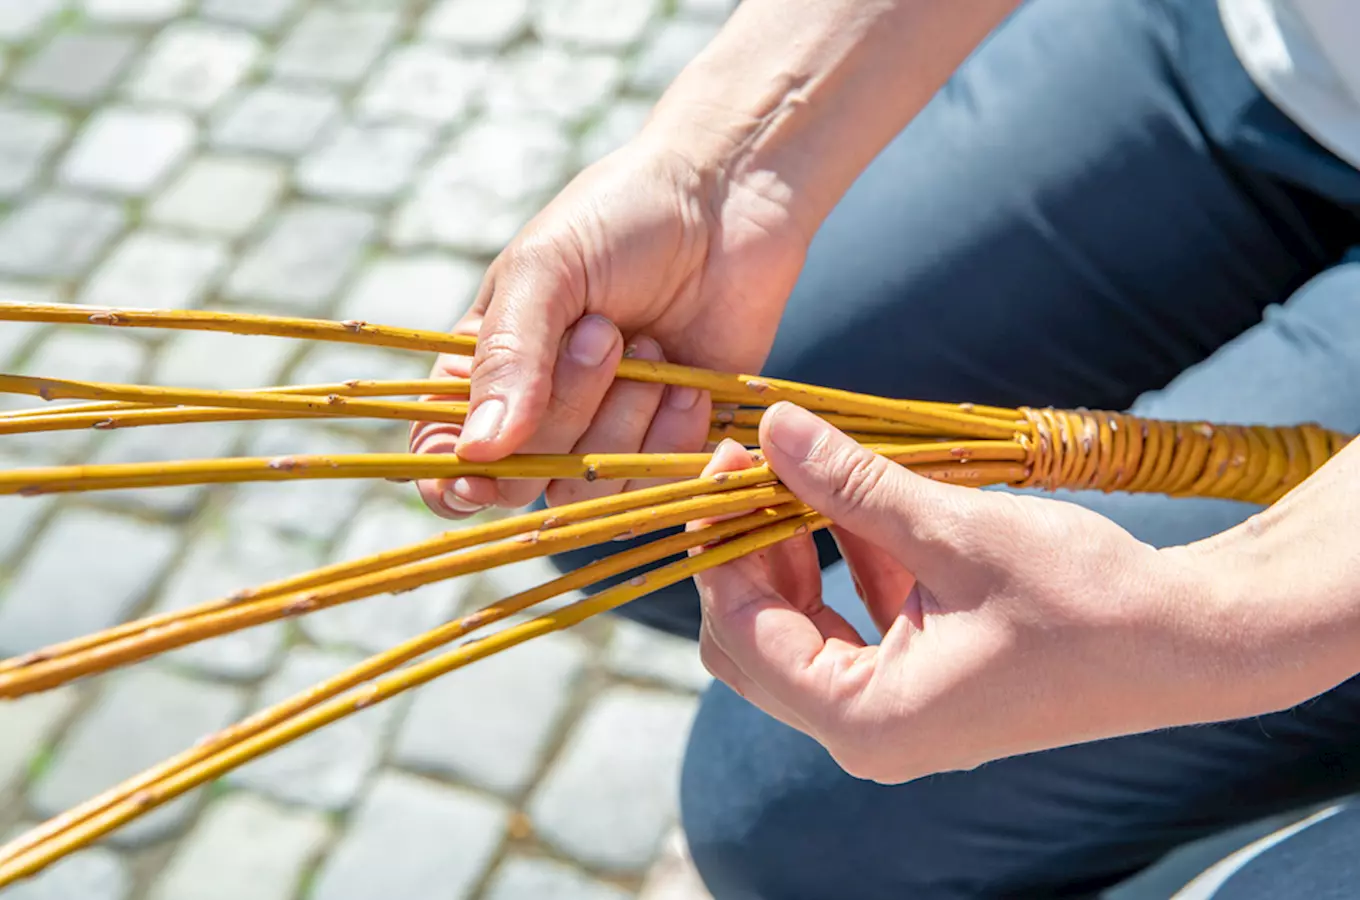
749	510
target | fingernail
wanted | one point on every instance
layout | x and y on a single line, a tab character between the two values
458	504
484	421
591	340
682	398
794	431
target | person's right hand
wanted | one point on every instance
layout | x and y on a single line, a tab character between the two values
647	252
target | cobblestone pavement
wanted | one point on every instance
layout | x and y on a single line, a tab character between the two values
344	158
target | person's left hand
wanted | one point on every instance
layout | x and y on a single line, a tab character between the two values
1010	623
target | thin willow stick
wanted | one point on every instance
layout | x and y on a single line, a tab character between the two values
331	405
412	466
962	420
174	415
241	752
439	545
54	673
394	657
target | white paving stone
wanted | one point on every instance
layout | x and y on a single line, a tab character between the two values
27	139
422	291
620	124
57	235
164	444
27	726
425	84
17	337
277	119
19	516
711	9
152	269
96	874
76	67
49	600
328	768
335	45
491	724
482	192
646	654
127	151
612	796
476	24
22	19
521	878
380	622
221	195
141	717
193	66
612	24
134	12
261	15
243	847
334	363
303	258
411	838
668	51
364	162
222	361
548	82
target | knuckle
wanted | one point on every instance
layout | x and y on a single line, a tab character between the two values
861	476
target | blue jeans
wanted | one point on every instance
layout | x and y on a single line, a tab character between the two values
1099	210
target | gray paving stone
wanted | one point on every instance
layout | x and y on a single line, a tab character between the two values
673	876
141	717
423	291
219	564
612	24
221	195
17	337
163	444
335	363
20	20
303	258
260	15
506	581
18	516
127	151
27	727
76	67
668	50
492	723
410	838
476	24
424	84
522	878
243	847
335	45
611	797
194	65
57	235
493	180
221	361
380	622
646	654
96	874
328	768
309	510
276	119
550	82
27	138
364	162
619	124
134	12
49	600
153	269
712	9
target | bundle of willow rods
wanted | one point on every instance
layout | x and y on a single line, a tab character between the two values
960	443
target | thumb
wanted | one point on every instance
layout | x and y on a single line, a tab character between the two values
913	518
531	306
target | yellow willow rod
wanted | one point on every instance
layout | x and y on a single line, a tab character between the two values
47	675
331	405
596	510
393	685
445	387
389	660
974	421
142	418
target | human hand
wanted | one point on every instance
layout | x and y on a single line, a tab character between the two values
1010	623
646	250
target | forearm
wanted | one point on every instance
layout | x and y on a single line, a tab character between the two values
798	96
1292	576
